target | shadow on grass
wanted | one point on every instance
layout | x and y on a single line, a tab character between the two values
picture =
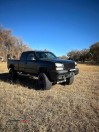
24	81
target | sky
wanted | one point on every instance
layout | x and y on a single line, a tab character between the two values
57	25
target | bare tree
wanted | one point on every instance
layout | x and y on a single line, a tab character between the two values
10	46
94	51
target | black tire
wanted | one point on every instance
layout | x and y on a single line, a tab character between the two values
44	82
70	80
13	74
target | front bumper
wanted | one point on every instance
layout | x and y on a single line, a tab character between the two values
62	75
76	71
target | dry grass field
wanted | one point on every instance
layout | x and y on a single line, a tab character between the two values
72	108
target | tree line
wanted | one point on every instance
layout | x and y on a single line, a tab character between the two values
10	46
91	54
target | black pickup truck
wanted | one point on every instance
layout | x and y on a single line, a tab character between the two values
46	66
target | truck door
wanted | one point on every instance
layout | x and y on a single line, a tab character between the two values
31	64
22	62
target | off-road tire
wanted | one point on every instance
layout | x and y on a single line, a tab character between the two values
44	82
13	74
70	80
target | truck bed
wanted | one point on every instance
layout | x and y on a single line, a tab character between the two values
13	62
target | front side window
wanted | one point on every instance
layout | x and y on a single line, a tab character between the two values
45	55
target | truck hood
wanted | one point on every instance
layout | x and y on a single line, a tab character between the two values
68	64
58	60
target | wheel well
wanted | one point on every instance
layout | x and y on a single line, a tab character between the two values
45	71
11	66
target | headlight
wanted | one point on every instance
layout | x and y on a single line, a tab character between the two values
75	64
59	66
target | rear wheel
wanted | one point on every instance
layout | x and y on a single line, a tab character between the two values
13	74
44	82
70	80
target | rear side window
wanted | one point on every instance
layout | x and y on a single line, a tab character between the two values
23	56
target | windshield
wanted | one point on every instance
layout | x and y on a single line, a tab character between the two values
45	55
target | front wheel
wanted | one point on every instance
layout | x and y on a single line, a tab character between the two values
44	82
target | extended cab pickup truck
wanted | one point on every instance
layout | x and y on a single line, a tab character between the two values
44	65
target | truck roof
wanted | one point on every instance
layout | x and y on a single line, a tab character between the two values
36	51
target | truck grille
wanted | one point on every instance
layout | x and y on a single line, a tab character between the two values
68	66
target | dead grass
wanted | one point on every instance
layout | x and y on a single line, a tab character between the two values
89	68
3	67
71	108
